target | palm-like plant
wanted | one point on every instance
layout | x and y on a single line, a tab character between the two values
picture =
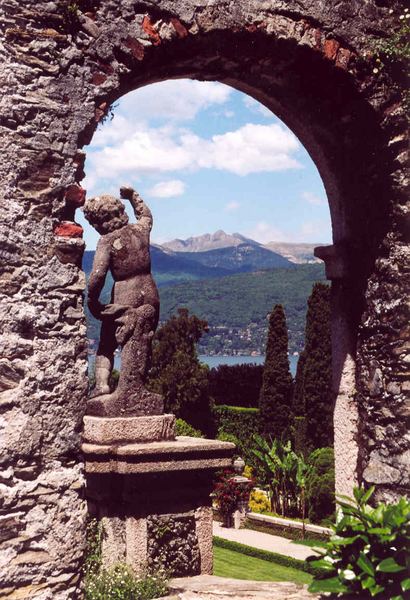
270	466
284	472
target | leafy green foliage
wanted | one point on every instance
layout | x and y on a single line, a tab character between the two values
184	428
320	485
277	385
368	555
240	422
284	474
313	388
121	583
236	385
222	436
176	372
394	51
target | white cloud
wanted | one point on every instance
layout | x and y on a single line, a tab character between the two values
232	206
264	232
174	99
249	149
313	199
257	107
167	189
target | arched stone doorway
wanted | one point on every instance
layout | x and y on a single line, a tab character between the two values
64	66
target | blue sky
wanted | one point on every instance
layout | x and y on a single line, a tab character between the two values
206	157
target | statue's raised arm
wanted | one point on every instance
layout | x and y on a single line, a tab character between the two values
141	210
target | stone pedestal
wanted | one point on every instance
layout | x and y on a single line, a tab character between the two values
153	497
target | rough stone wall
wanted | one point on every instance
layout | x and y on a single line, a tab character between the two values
61	69
173	544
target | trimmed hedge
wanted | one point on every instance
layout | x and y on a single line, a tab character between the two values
280	559
238	421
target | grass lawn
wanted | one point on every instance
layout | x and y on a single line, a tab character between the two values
228	563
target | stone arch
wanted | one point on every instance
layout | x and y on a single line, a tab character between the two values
306	62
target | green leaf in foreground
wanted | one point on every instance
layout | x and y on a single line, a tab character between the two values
389	565
368	550
332	585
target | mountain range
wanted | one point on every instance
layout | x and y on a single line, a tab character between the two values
297	253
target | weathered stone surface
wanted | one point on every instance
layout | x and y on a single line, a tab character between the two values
120	430
209	587
172	544
311	63
182	454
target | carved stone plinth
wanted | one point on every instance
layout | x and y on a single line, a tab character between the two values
154	501
122	430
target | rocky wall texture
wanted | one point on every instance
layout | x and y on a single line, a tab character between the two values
173	544
63	65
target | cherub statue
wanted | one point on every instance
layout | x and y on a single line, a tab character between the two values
131	318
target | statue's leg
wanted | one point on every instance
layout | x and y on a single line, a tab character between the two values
104	359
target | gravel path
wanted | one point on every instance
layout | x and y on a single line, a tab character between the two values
264	541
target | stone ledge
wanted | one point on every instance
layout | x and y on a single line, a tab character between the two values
182	454
123	430
212	587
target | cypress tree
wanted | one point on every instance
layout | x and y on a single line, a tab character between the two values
299	423
313	386
275	400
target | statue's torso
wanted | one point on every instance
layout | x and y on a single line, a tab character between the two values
130	265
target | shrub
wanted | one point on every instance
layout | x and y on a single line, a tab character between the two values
228	437
367	556
121	583
184	428
228	493
258	502
240	422
320	485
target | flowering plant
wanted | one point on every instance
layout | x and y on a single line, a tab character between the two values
228	493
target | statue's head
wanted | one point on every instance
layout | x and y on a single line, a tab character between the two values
105	213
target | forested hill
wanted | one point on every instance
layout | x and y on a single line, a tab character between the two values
236	306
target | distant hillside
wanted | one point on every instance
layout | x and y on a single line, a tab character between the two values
296	253
244	257
236	307
169	268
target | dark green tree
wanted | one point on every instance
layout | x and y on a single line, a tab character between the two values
176	372
313	386
275	400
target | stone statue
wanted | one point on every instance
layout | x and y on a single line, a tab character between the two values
131	318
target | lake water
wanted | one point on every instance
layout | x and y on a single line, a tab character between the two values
215	361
